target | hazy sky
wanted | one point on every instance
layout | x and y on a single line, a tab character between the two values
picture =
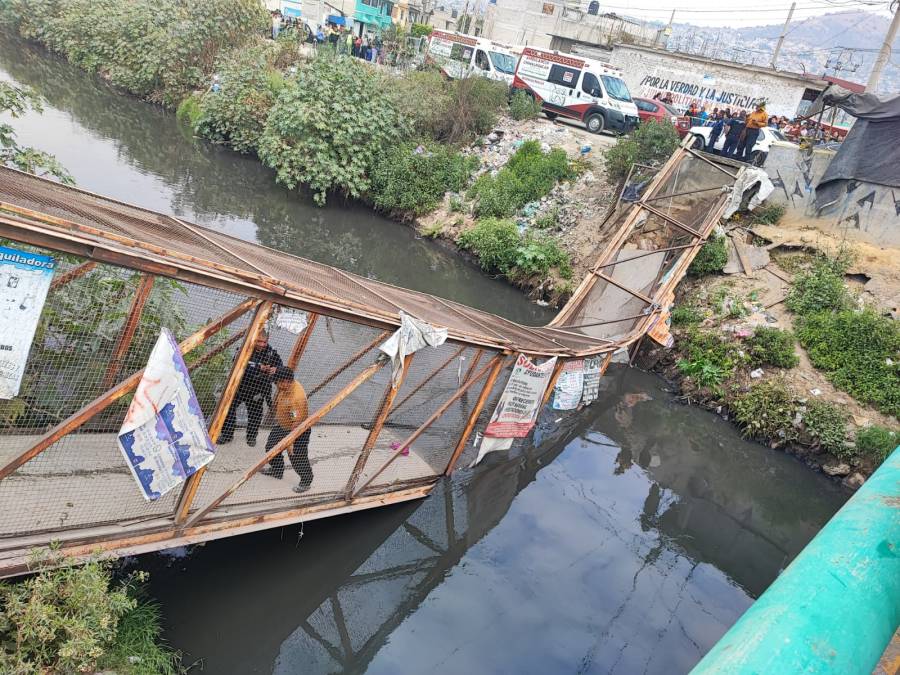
737	13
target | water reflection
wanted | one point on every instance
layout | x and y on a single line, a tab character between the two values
120	147
625	540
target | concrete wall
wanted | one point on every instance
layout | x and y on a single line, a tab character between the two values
866	212
711	83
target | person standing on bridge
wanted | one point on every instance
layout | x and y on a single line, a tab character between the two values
254	389
291	409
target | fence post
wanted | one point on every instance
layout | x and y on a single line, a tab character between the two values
141	295
473	417
388	401
218	420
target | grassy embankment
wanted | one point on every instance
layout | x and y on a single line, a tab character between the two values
331	125
851	343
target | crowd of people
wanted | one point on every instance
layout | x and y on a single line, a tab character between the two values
368	47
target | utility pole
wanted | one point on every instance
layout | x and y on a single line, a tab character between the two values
665	31
781	37
885	52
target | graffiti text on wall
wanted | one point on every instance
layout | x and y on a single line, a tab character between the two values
695	92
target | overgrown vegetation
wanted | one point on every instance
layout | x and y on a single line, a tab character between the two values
410	179
523	107
328	126
236	114
771	347
651	143
76	619
528	175
827	424
158	50
500	248
711	258
858	349
766	411
709	358
877	442
767	214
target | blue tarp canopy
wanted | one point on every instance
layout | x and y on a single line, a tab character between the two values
337	20
290	11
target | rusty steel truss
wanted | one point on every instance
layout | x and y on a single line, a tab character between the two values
375	441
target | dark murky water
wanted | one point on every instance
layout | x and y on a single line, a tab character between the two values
625	539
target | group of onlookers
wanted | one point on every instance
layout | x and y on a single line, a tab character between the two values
341	39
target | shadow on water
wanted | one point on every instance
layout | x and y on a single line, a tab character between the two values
118	146
625	539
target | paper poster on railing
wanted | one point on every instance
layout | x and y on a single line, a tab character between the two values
591	386
518	406
24	281
164	437
567	393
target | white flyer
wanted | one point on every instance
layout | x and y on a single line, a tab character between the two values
163	436
591	379
24	281
567	393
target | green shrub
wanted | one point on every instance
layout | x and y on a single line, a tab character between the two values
771	346
14	102
549	220
858	350
709	358
686	315
454	112
76	619
420	30
410	179
159	50
876	441
766	411
494	241
528	175
711	258
237	113
538	254
523	107
827	423
188	111
329	126
650	143
457	205
819	289
767	214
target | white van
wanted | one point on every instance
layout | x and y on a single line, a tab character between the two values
461	55
579	88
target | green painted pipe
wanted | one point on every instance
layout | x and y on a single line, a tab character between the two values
837	605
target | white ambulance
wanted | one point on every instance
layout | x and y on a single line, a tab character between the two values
579	88
461	55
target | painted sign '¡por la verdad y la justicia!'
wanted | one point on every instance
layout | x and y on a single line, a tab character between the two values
695	90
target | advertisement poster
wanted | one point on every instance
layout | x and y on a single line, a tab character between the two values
164	437
24	281
567	394
591	379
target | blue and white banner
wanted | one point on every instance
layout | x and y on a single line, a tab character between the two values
24	281
164	437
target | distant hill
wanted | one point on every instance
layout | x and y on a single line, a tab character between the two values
811	44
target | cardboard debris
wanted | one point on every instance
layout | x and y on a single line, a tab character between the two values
742	256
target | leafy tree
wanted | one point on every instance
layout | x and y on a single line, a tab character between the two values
16	101
160	50
328	127
237	113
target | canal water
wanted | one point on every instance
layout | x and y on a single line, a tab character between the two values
624	539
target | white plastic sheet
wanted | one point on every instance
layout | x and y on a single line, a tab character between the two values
412	335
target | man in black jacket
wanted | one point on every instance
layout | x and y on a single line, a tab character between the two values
255	387
734	134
